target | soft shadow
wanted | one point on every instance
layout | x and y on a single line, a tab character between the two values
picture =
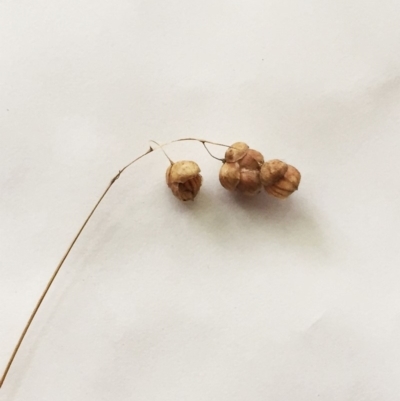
216	214
293	222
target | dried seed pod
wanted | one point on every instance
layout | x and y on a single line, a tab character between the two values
229	176
241	169
286	185
272	171
236	152
250	183
184	179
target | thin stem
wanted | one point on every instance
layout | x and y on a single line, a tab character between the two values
217	158
46	290
198	140
58	268
165	153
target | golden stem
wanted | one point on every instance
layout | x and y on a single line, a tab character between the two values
46	290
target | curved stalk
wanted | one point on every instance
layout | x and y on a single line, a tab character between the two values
60	264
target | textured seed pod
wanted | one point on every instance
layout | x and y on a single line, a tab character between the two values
184	179
286	185
272	171
229	176
236	152
241	170
250	183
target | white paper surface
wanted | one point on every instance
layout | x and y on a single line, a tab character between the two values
225	298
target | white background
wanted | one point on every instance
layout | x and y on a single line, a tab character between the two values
225	298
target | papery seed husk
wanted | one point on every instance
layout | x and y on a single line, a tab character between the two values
252	160
293	176
184	179
236	152
229	175
250	183
182	171
286	185
272	171
278	193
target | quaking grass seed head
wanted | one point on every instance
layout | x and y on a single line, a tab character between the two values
241	170
184	179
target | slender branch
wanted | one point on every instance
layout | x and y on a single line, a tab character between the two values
165	153
214	157
39	303
46	290
198	140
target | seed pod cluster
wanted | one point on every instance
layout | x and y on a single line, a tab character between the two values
244	170
241	170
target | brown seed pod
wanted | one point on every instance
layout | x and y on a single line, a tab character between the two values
236	152
241	169
272	171
281	186
184	179
229	176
